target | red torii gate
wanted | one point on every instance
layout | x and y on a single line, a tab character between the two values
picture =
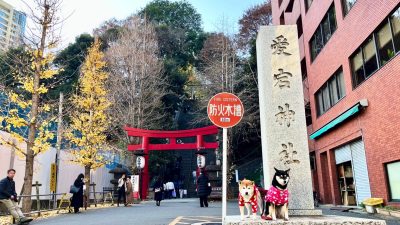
172	144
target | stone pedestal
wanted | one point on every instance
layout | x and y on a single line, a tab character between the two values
282	115
314	220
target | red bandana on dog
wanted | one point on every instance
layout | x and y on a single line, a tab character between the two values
252	201
276	196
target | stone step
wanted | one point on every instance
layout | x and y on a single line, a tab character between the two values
303	220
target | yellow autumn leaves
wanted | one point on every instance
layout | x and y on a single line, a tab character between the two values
17	113
89	120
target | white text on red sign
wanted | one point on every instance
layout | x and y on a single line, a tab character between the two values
225	110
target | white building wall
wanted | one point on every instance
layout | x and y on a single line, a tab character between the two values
67	173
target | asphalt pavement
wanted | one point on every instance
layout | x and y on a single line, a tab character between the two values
171	212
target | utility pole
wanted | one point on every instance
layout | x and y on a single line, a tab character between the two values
59	141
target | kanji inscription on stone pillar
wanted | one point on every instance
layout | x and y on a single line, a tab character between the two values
282	115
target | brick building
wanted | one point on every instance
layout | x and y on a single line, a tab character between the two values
351	69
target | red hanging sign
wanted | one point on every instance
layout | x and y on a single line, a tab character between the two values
225	110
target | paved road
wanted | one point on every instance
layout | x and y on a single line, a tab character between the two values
171	212
185	211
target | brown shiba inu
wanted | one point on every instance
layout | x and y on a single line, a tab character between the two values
277	198
249	196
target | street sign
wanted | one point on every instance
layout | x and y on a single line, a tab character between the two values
225	110
53	176
135	183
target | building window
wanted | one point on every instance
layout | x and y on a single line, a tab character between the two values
370	60
323	32
308	114
4	9
330	93
299	24
377	50
347	5
3	21
385	44
2	26
289	8
3	14
313	164
364	62
395	22
282	19
394	180
307	4
357	68
303	69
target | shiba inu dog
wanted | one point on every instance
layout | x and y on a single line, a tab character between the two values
250	197
277	198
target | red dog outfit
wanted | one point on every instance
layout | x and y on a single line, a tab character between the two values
276	196
252	201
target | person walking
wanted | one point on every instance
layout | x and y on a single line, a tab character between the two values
8	197
158	191
165	190
129	191
203	189
170	188
176	190
77	195
121	189
181	190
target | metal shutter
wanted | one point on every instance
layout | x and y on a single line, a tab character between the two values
360	171
343	154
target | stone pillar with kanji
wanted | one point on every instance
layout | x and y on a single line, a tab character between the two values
283	125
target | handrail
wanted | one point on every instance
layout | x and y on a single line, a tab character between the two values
52	202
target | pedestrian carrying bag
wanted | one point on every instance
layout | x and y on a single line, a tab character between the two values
157	189
73	189
173	194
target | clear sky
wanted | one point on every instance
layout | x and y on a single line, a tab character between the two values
85	15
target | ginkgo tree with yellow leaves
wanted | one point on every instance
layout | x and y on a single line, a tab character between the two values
89	122
25	116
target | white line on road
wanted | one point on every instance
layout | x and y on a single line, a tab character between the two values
194	219
176	220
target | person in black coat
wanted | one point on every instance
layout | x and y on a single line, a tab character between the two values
203	189
77	198
158	191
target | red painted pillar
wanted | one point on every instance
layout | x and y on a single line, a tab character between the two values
199	145
145	172
199	139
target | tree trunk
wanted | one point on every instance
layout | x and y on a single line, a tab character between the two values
87	183
30	155
27	187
